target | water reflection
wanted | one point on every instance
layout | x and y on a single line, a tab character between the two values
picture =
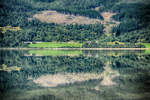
108	75
90	75
70	53
70	78
63	79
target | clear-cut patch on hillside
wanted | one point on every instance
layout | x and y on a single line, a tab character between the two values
107	16
108	22
59	18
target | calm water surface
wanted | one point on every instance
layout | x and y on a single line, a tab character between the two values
74	75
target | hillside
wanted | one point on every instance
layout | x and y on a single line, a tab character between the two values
94	23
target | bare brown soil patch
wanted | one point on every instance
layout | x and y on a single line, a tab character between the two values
107	16
97	8
108	22
59	18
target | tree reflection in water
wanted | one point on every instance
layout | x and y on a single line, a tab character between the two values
104	75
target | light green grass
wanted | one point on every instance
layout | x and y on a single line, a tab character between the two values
147	45
56	52
56	45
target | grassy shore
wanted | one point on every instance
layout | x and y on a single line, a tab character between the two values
80	45
147	45
56	45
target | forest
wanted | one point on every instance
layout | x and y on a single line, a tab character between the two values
134	21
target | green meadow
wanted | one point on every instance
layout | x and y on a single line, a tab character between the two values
147	45
56	45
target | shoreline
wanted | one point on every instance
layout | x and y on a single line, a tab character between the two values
74	48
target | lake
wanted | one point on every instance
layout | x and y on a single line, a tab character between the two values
75	75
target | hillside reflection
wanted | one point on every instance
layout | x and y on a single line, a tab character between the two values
89	75
70	78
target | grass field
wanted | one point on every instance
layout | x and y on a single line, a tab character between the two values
56	45
147	45
56	52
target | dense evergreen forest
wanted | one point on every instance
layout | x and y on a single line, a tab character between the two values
134	18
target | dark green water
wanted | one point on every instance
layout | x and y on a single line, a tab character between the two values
74	75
